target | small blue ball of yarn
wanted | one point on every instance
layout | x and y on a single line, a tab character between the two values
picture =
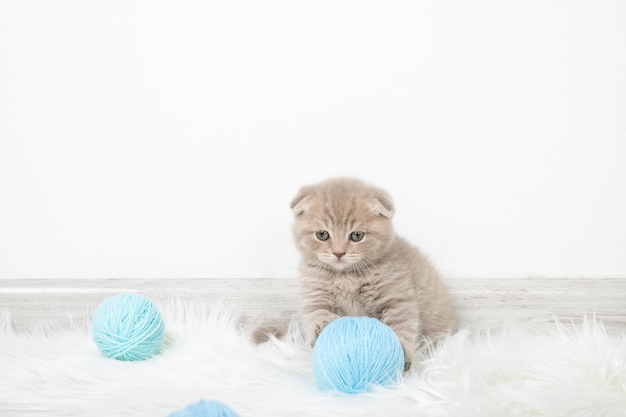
128	327
205	408
353	353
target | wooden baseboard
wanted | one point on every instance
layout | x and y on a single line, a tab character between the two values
480	302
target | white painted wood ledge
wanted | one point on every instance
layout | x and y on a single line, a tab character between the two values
484	303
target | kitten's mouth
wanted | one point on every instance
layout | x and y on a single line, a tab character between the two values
338	263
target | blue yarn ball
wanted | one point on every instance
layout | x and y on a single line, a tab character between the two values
128	327
205	408
353	353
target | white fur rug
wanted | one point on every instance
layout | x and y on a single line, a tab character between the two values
556	370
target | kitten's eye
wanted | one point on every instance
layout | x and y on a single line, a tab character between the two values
322	235
357	236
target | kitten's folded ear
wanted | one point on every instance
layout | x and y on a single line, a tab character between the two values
302	201
381	205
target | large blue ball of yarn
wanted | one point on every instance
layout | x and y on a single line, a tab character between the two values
128	327
205	408
353	353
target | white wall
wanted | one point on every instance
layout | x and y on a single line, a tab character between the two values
166	139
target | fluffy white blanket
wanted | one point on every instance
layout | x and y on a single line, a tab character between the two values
554	370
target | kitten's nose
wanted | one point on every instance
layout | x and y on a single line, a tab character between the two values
339	254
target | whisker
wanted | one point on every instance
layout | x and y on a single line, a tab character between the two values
359	268
368	265
319	267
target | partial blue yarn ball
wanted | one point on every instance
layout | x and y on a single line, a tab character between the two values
205	408
353	353
128	327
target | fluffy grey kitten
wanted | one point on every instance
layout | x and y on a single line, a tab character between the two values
353	264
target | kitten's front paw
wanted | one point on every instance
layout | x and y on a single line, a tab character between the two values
410	355
317	324
408	362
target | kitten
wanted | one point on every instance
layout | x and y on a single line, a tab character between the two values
353	264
